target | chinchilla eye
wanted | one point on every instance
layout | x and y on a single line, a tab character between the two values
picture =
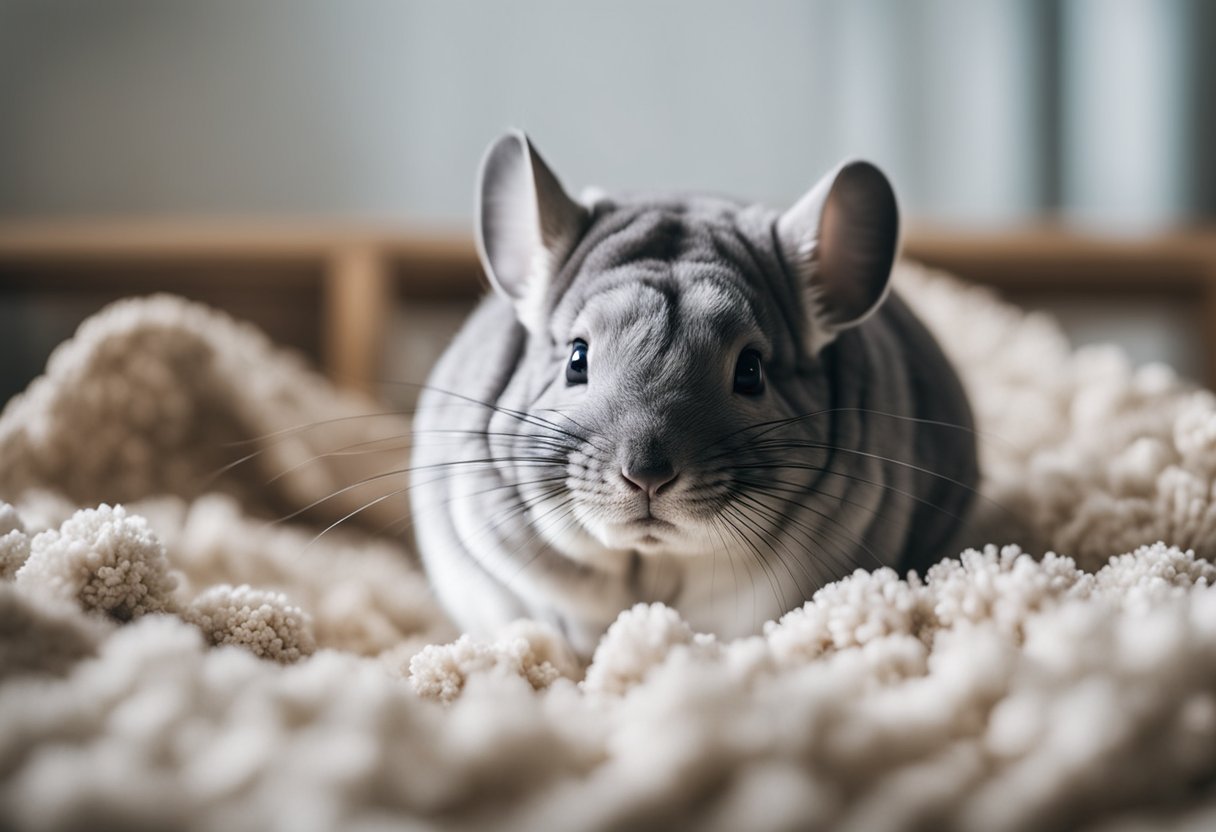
749	373
576	368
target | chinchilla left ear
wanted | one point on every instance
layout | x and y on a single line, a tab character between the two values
526	225
840	241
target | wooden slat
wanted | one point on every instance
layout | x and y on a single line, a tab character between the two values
1055	259
357	298
366	266
205	240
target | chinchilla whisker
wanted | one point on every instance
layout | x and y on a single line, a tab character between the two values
754	539
564	415
755	552
789	445
350	450
838	532
890	460
536	445
210	478
748	515
755	522
268	441
521	415
776	424
717	523
538	526
396	472
359	510
517	414
505	516
589	432
364	447
819	553
559	517
780	487
724	524
730	435
501	517
511	511
455	470
549	428
467	432
398	527
588	493
844	538
339	492
506	487
295	429
857	478
567	519
726	550
545	524
777	513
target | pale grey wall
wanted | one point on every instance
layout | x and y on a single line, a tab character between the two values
1124	133
370	108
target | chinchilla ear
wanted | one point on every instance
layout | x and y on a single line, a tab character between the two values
840	241
526	225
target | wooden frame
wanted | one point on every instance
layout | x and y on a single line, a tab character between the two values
358	273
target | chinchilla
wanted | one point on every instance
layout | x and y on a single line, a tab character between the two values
682	399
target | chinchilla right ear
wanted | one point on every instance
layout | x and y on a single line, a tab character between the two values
840	239
526	225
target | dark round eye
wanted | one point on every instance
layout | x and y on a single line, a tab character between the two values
576	368
749	373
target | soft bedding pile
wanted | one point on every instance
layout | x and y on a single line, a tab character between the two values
220	652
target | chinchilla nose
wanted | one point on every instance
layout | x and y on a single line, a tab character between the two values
650	480
647	461
651	474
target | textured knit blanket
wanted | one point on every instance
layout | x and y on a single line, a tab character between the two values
239	646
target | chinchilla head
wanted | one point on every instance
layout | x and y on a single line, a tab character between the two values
664	338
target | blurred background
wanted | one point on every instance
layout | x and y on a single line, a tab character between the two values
309	165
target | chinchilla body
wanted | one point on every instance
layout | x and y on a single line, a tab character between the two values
682	399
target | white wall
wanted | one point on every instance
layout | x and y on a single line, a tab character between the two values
370	108
1124	128
373	108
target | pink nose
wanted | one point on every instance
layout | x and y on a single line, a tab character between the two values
650	479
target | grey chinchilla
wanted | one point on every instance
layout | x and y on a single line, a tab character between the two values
682	399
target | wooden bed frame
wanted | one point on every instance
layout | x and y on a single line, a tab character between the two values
329	290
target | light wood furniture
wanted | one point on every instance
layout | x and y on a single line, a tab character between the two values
324	290
328	290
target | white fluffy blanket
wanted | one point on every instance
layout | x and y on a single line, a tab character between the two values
183	662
